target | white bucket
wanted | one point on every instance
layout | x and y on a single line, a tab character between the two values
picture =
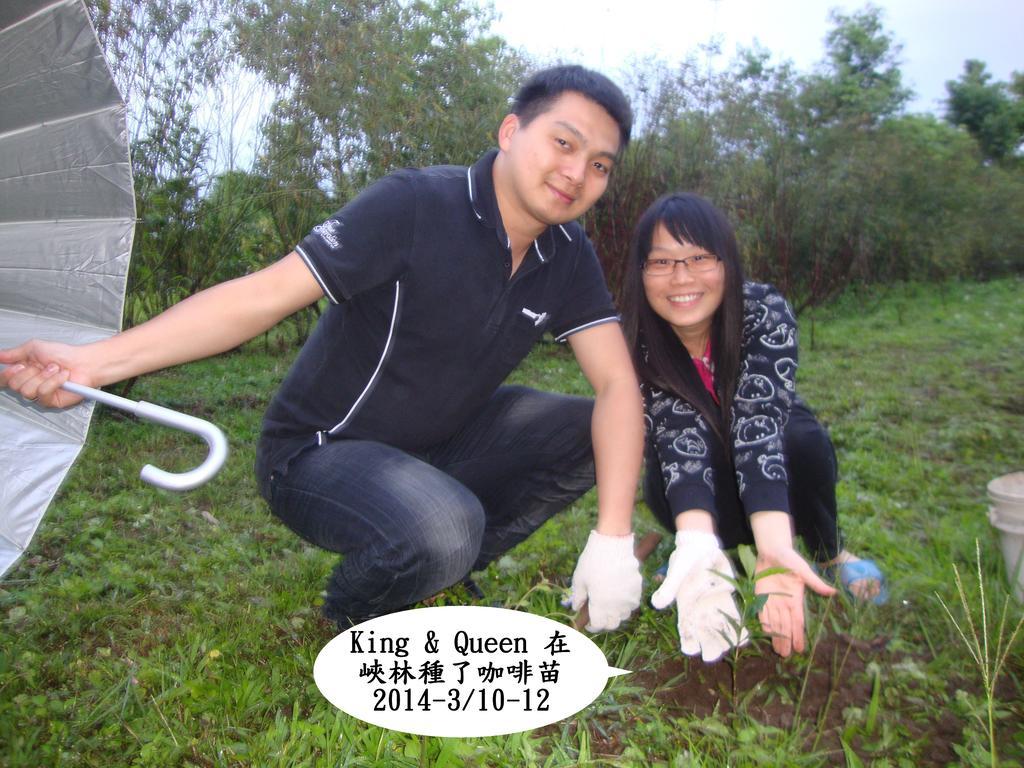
1007	516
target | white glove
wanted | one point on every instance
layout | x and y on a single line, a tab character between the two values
608	574
707	615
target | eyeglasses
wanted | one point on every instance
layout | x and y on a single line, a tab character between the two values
701	262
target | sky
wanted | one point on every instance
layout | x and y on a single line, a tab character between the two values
937	36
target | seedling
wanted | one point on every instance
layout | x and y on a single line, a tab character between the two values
750	605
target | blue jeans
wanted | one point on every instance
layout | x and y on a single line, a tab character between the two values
410	525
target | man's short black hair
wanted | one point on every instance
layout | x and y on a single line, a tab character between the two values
543	88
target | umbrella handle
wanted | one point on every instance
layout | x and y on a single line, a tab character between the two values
171	481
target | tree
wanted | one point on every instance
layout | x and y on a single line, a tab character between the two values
992	112
372	86
860	82
164	58
825	180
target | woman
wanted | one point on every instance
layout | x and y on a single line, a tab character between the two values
732	451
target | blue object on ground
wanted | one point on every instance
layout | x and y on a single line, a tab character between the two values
859	570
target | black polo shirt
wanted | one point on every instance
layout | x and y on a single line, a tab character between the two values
424	322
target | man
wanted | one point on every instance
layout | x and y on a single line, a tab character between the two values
391	439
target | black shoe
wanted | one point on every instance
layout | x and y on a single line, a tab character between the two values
346	620
473	588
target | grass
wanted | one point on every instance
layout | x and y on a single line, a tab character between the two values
149	629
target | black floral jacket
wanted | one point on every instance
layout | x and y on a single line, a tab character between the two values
765	393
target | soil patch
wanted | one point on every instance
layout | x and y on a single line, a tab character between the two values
810	693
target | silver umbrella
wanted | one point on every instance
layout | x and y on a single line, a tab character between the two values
67	218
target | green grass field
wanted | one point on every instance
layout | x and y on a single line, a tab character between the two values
144	628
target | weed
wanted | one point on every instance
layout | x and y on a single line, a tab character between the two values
988	651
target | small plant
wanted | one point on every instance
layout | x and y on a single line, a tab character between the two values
750	605
989	653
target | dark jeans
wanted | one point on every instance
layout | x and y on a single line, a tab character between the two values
411	525
812	470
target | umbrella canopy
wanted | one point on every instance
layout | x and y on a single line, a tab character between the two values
67	217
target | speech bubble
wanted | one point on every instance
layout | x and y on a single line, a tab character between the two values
461	671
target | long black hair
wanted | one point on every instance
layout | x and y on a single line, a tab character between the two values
660	358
